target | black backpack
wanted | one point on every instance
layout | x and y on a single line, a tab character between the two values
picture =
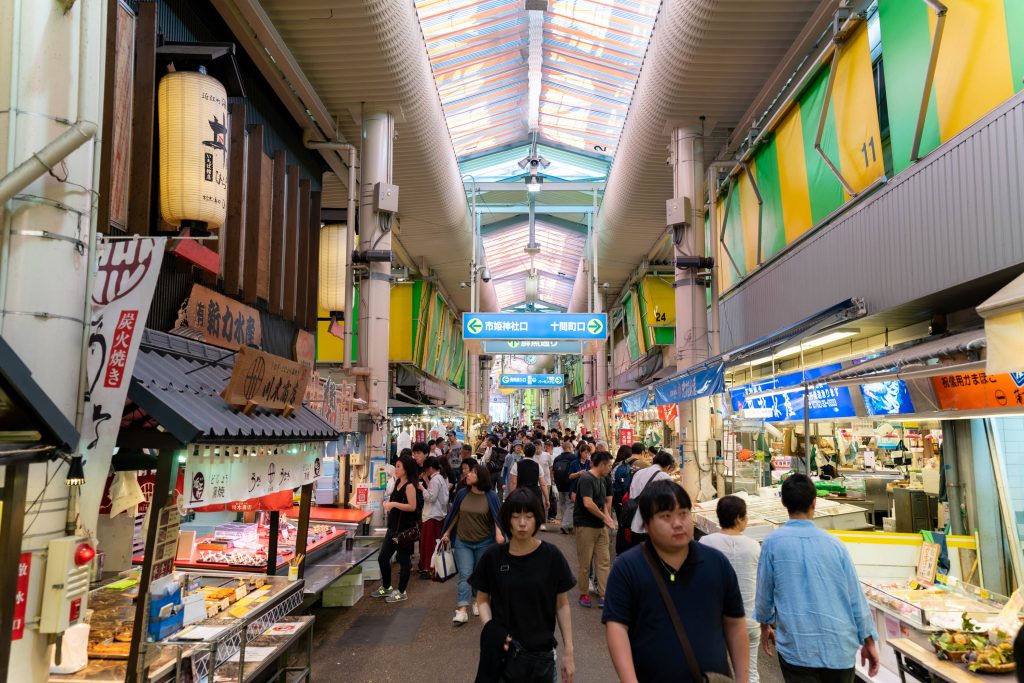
497	461
561	469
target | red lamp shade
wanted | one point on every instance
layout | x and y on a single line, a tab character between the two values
84	554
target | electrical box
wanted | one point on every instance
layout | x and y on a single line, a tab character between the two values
678	211
385	198
66	584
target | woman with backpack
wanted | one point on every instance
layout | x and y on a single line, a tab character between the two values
631	526
622	472
402	510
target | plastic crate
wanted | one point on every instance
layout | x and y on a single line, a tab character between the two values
371	571
346	591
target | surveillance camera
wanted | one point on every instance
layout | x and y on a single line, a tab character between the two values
605	285
485	274
463	285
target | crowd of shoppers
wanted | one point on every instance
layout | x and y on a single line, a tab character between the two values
677	605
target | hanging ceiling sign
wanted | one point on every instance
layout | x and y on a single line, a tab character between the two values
535	326
263	380
637	401
773	401
237	475
532	346
691	385
887	398
979	390
531	381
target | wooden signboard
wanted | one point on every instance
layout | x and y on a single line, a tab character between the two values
305	348
221	321
262	380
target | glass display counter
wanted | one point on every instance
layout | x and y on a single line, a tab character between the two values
933	608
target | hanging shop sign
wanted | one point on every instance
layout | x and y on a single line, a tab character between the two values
219	320
517	380
122	292
228	474
668	413
534	326
978	390
263	380
305	349
193	117
787	405
532	346
691	385
21	596
887	398
637	401
626	437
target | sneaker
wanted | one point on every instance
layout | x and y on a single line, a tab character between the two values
543	527
396	596
426	576
460	617
476	610
585	601
381	592
564	531
600	602
591	586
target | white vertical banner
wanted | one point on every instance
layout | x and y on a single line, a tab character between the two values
122	292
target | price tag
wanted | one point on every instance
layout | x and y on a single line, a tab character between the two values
914	585
940	578
984	594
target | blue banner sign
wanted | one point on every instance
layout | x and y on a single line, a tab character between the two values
887	398
531	381
637	401
532	346
693	384
535	326
824	402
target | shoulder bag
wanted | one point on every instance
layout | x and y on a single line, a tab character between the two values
691	659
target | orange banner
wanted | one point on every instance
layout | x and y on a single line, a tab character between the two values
977	390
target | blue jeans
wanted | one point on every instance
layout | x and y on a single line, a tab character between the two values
466	557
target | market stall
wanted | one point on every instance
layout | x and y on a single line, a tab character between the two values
220	446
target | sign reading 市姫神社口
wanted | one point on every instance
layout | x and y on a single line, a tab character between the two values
534	326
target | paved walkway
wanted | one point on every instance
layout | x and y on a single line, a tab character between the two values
415	641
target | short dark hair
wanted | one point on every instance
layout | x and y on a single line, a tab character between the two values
798	493
661	496
468	462
406	451
637	448
730	510
529	450
519	501
466	448
420	447
483	478
430	463
599	458
664	459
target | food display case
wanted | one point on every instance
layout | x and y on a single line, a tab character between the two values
199	627
244	547
933	608
764	515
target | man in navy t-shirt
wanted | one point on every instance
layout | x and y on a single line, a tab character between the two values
703	586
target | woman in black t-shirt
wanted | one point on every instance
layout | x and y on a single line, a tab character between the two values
522	590
402	510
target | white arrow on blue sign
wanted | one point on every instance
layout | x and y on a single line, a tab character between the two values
535	326
521	380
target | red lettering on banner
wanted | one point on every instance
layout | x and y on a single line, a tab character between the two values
118	360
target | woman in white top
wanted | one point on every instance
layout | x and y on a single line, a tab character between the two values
743	553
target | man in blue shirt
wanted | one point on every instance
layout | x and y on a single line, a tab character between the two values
702	585
809	600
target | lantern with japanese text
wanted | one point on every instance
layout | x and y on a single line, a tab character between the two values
333	271
193	119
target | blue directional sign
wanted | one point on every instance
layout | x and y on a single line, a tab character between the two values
514	381
535	326
532	346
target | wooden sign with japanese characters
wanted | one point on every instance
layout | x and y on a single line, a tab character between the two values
221	321
263	380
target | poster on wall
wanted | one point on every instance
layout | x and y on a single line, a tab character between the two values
122	292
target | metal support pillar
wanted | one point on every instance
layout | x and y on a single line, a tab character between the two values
302	533
485	382
375	290
473	384
272	535
687	158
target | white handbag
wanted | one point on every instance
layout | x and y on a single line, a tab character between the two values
443	561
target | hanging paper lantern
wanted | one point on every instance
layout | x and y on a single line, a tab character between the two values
333	271
193	118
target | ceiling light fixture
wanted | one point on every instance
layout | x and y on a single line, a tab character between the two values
533	183
810	344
